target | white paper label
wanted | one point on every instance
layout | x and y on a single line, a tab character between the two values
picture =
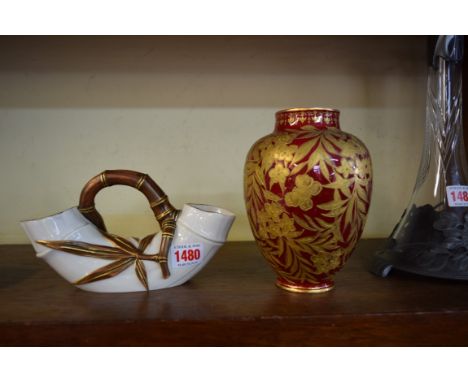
184	255
457	196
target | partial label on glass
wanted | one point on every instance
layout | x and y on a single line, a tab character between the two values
184	255
457	196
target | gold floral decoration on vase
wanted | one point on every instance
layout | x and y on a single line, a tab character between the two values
307	196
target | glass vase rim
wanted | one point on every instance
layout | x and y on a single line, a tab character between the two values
299	109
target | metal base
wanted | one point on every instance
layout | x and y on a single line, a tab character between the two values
381	265
384	261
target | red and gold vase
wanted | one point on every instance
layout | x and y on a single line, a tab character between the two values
307	189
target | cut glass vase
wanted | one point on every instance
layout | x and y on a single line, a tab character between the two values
431	237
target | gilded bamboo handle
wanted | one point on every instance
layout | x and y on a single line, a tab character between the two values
163	210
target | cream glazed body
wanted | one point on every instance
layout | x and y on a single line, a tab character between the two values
201	225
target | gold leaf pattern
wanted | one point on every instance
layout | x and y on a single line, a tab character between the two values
85	249
141	272
143	244
107	271
123	251
288	175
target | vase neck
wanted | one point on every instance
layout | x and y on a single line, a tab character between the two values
307	119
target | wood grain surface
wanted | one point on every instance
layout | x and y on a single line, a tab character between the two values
233	301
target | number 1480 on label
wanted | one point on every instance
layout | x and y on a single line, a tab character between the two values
187	255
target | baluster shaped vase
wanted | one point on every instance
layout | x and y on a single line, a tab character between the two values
307	189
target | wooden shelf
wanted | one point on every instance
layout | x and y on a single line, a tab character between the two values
233	301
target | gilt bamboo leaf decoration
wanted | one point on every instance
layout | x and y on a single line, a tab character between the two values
86	249
106	272
123	252
141	272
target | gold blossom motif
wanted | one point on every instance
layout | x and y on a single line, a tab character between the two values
301	195
284	153
345	168
363	168
275	223
123	252
327	169
278	174
323	260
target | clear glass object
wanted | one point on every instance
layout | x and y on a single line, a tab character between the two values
431	237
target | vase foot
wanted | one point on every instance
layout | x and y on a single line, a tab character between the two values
305	287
